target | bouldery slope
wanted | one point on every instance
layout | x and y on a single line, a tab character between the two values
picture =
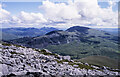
17	60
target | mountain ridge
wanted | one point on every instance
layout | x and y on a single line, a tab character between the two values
24	32
89	41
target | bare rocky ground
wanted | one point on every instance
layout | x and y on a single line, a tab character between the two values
19	61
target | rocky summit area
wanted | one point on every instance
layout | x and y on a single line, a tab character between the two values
29	62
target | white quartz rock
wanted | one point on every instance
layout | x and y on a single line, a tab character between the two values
4	69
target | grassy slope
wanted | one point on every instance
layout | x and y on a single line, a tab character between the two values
79	50
100	61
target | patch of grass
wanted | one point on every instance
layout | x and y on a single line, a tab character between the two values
0	47
79	65
100	61
61	61
19	46
6	44
85	66
43	51
17	53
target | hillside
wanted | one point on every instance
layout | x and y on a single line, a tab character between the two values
101	61
26	62
24	32
7	36
78	42
113	31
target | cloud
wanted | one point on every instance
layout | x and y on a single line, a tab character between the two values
81	12
64	15
32	18
5	16
112	3
24	19
59	11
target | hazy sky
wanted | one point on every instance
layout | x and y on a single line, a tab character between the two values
59	14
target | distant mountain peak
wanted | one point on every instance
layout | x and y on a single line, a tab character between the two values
56	31
77	28
48	28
